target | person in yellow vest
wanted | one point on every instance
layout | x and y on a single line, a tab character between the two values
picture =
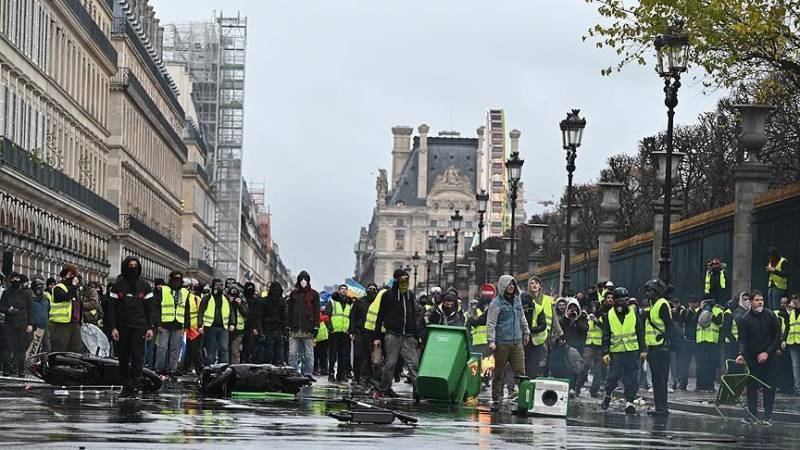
48	290
65	314
623	348
778	269
216	318
715	281
376	356
321	342
793	339
593	352
729	331
362	342
194	340
539	310
171	301
476	322
707	337
658	331
239	311
340	334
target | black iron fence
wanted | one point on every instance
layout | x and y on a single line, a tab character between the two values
88	24
129	222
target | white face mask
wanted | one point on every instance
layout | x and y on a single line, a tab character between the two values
303	284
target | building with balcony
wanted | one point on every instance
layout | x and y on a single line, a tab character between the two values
56	64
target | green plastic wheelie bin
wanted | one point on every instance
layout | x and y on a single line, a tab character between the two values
443	369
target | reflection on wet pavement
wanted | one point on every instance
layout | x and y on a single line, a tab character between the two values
177	417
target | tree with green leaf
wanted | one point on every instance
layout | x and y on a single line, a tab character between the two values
732	40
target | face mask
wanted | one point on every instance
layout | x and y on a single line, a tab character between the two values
303	283
176	283
131	272
16	284
403	285
249	291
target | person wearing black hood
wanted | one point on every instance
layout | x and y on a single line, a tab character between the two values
759	339
216	320
362	337
16	303
132	316
272	324
398	313
448	313
65	313
252	341
302	317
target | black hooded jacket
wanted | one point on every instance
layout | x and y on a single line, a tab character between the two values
302	309
398	313
358	315
132	302
273	316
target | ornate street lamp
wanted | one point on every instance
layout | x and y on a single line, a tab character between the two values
456	220
673	57
514	168
571	135
441	246
428	261
415	263
483	202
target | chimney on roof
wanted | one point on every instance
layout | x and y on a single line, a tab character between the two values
400	151
422	162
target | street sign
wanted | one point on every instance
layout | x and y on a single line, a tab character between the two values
488	291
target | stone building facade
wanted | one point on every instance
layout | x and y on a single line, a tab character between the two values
431	178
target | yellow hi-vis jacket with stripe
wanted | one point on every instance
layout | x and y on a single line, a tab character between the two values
172	309
372	313
623	334
60	312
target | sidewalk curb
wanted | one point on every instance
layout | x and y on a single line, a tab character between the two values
730	411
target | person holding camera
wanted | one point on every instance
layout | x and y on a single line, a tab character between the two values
709	323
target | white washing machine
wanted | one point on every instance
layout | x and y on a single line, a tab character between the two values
550	397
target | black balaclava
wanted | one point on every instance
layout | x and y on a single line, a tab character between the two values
131	274
15	281
249	289
175	280
275	291
216	286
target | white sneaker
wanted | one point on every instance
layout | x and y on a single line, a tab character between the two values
670	390
650	390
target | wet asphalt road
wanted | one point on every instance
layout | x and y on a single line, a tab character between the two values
38	418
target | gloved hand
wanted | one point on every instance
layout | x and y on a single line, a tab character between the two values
643	356
659	337
606	359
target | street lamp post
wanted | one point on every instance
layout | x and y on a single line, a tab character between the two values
456	220
483	201
415	263
441	246
514	168
571	135
673	56
428	260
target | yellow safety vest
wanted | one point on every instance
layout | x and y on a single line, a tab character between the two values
372	313
794	328
194	310
545	308
479	336
595	335
340	317
240	318
623	335
48	296
777	281
722	281
60	312
211	307
172	311
322	333
711	333
654	321
734	327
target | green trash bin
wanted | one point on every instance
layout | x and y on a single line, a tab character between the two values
474	374
443	367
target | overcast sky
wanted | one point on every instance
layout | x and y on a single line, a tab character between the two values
326	80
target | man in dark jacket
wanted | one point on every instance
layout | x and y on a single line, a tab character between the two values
340	334
362	340
575	324
239	313
41	313
448	313
302	316
759	339
216	320
272	324
132	317
16	303
252	342
398	313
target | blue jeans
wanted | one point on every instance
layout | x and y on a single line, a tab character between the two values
774	296
216	341
794	351
301	354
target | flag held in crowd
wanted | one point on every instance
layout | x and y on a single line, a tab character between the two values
354	288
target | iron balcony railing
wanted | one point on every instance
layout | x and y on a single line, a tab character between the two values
24	162
122	28
129	222
202	266
92	29
126	78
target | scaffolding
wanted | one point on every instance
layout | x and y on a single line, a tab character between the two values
214	54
